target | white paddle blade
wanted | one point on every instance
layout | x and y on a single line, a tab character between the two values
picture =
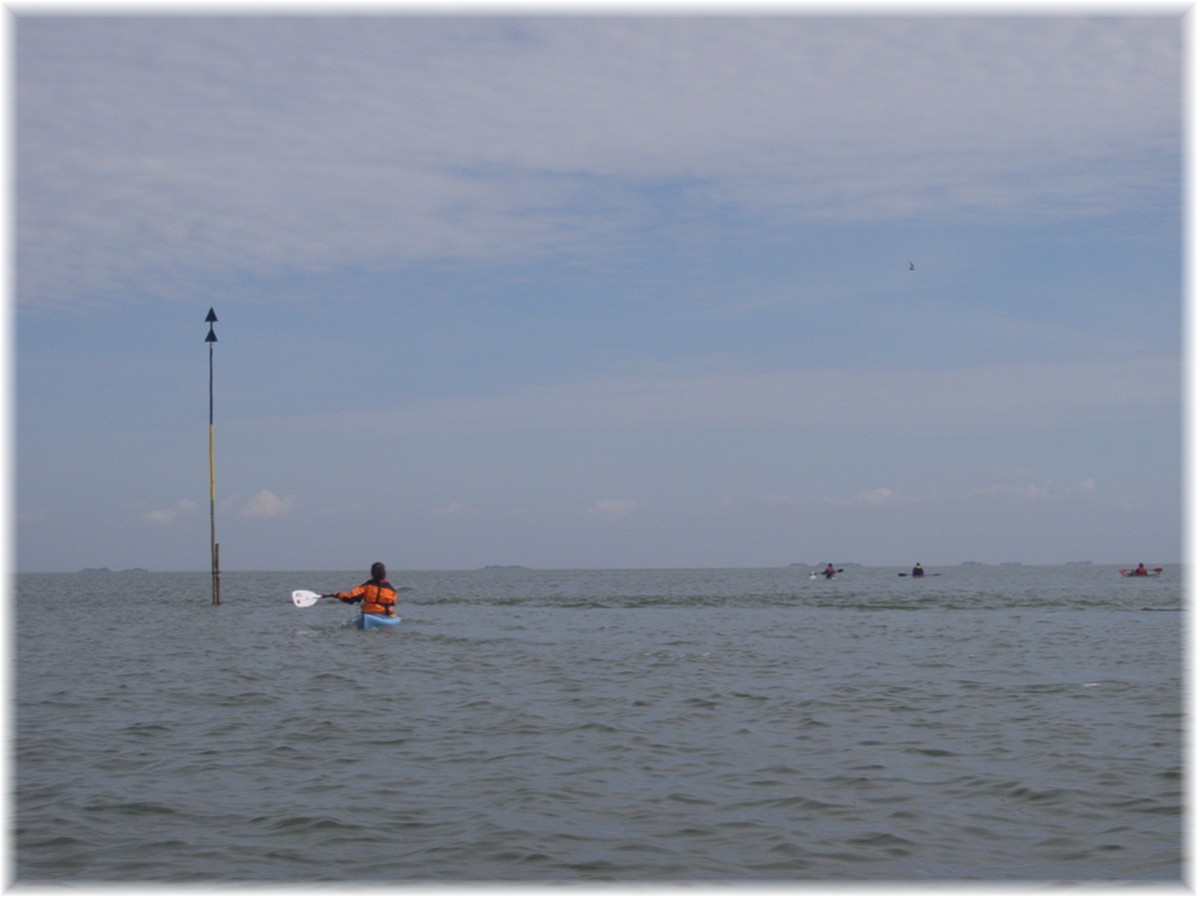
305	598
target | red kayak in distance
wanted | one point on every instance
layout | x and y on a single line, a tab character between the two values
1133	573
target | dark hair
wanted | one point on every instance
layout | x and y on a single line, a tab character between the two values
378	572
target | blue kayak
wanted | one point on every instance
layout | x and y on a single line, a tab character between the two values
367	621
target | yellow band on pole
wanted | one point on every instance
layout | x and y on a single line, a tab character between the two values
212	469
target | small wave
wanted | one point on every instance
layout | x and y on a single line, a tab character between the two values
130	808
307	826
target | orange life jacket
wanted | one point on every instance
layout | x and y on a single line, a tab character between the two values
378	597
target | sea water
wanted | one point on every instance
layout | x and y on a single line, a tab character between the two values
1012	724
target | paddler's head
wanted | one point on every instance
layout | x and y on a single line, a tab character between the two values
378	572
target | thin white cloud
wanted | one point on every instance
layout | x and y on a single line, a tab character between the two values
265	505
169	515
1023	491
1037	491
975	400
453	508
612	509
882	496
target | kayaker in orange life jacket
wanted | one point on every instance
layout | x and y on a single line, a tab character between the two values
378	597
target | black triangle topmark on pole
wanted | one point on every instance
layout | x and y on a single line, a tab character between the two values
212	470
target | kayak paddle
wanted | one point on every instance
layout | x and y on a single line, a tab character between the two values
306	598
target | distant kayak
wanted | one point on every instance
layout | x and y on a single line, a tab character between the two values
1133	573
367	621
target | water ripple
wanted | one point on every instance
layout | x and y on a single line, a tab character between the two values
605	727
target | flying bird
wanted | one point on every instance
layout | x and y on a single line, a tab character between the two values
911	267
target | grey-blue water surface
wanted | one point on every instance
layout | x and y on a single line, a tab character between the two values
993	723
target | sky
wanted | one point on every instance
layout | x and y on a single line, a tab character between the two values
570	289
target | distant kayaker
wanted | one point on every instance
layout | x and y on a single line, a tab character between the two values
829	571
1141	569
377	595
918	571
